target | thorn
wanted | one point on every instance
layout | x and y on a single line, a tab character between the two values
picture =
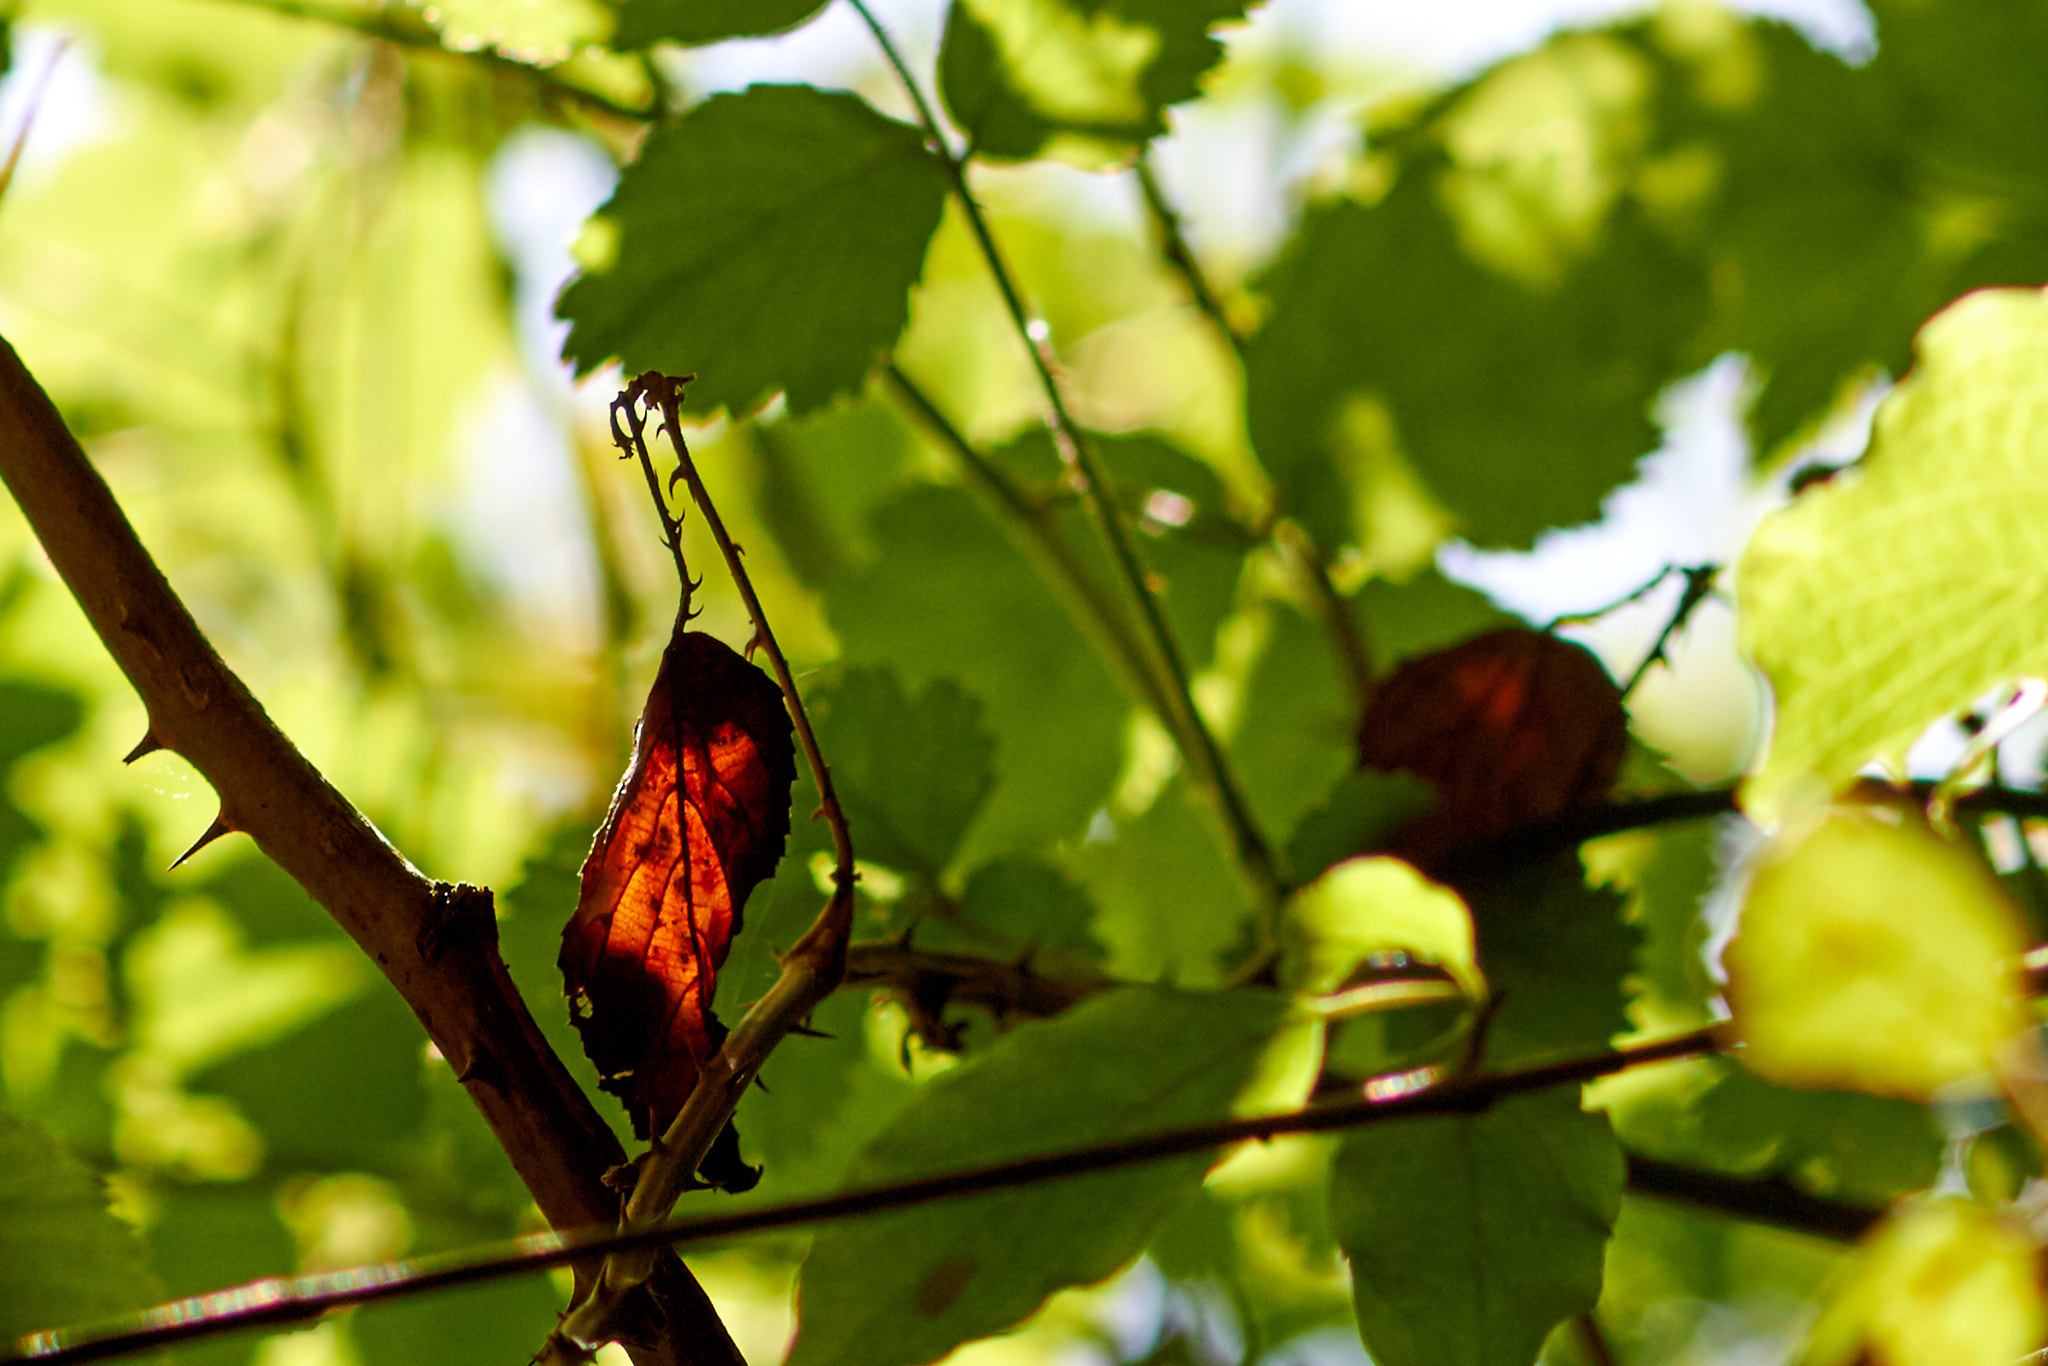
219	827
762	1084
808	1033
909	932
148	744
1027	961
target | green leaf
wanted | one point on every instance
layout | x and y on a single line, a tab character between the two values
1032	903
947	596
63	1258
1172	903
1559	952
1017	73
1880	601
1186	536
1517	424
1875	956
821	1101
1297	735
1942	1279
209	1236
1834	1143
485	1325
1471	1237
696	22
1419	615
821	478
906	1288
1367	906
340	1094
1362	810
911	773
767	241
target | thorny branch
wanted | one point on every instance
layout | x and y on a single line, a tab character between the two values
436	943
811	970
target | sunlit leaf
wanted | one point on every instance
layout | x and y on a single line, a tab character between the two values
698	821
1017	73
63	1257
1944	1280
1875	957
906	1288
1172	904
1370	906
1883	599
1471	1237
766	241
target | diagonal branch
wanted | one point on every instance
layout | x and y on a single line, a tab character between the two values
436	943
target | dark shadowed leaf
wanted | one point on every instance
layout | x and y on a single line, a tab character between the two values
1471	1237
907	1288
947	596
692	22
767	241
1522	424
1362	812
699	819
1559	951
910	772
63	1257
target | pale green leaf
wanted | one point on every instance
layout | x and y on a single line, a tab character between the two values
1876	957
1472	1236
1942	1281
1017	74
1376	905
1885	598
909	1287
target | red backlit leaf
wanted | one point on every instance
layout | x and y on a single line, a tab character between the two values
698	821
1510	727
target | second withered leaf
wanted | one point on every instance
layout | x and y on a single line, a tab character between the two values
699	820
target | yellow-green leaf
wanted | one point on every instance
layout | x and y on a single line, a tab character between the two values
1365	906
1944	1281
1893	595
1874	956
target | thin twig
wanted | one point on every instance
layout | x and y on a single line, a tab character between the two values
1770	1200
1699	586
1173	245
436	943
811	971
1592	1342
287	1301
1183	718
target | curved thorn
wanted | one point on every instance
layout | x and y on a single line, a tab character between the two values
149	744
219	827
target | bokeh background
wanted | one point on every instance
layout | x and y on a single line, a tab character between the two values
292	286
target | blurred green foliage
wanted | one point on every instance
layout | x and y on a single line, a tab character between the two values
282	279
